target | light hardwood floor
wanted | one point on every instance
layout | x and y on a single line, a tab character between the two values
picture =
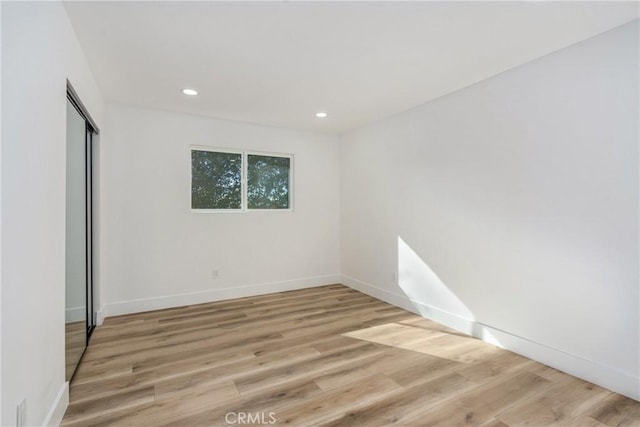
75	340
326	356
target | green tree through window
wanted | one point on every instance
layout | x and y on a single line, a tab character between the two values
268	182
217	179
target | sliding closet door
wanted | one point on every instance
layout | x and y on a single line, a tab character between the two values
76	240
89	221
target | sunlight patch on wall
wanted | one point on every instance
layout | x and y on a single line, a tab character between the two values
433	299
420	283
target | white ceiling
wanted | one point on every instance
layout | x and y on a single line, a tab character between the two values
278	63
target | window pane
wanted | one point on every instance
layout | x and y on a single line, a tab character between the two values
268	182
216	180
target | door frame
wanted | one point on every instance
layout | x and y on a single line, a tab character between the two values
90	131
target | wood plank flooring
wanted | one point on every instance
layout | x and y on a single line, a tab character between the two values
75	340
327	356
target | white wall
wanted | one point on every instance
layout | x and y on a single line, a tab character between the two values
510	209
39	53
1	44
156	253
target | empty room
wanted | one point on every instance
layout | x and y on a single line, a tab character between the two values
329	213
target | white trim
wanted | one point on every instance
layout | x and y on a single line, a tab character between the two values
244	186
58	408
75	314
99	317
598	373
179	300
215	149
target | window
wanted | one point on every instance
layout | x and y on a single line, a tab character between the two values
216	180
268	182
225	180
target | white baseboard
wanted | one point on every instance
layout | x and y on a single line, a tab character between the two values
449	319
603	375
59	407
178	300
99	317
75	314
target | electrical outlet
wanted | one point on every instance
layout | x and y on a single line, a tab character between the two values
21	414
215	273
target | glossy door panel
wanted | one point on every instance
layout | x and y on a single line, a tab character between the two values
76	241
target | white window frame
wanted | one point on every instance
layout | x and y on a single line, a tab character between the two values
244	179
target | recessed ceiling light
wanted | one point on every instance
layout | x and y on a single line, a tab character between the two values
190	92
321	115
